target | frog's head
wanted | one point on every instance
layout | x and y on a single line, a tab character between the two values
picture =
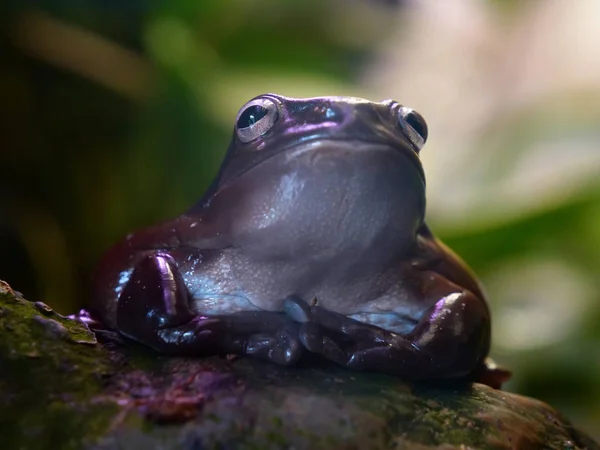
326	169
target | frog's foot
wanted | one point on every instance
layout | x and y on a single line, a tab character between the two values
281	345
448	341
154	309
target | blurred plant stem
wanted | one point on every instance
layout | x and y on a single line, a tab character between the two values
84	53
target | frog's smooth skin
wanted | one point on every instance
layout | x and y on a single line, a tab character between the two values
311	239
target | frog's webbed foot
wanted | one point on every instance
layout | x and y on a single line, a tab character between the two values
266	335
449	341
154	309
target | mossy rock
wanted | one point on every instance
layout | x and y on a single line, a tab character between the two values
61	386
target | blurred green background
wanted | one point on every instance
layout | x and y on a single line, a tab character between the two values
116	114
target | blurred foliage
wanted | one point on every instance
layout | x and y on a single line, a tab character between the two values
85	161
116	115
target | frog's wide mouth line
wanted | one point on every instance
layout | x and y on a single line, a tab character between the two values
316	144
355	145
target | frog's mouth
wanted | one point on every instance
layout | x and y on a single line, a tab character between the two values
316	146
350	146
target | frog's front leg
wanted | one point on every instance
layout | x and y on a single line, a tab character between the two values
154	309
450	340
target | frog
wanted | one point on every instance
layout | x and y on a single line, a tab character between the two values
310	240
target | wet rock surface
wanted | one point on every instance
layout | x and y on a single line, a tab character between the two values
62	386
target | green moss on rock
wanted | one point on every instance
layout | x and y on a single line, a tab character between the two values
60	388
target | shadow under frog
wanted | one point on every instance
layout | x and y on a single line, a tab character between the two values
311	239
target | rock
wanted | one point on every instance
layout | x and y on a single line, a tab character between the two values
61	386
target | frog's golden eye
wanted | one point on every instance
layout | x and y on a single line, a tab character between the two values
413	126
255	119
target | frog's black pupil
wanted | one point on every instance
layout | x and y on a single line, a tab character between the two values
251	115
414	121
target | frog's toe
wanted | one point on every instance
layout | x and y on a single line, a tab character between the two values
283	348
297	309
319	340
311	336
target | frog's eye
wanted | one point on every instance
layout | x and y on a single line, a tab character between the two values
255	119
413	126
